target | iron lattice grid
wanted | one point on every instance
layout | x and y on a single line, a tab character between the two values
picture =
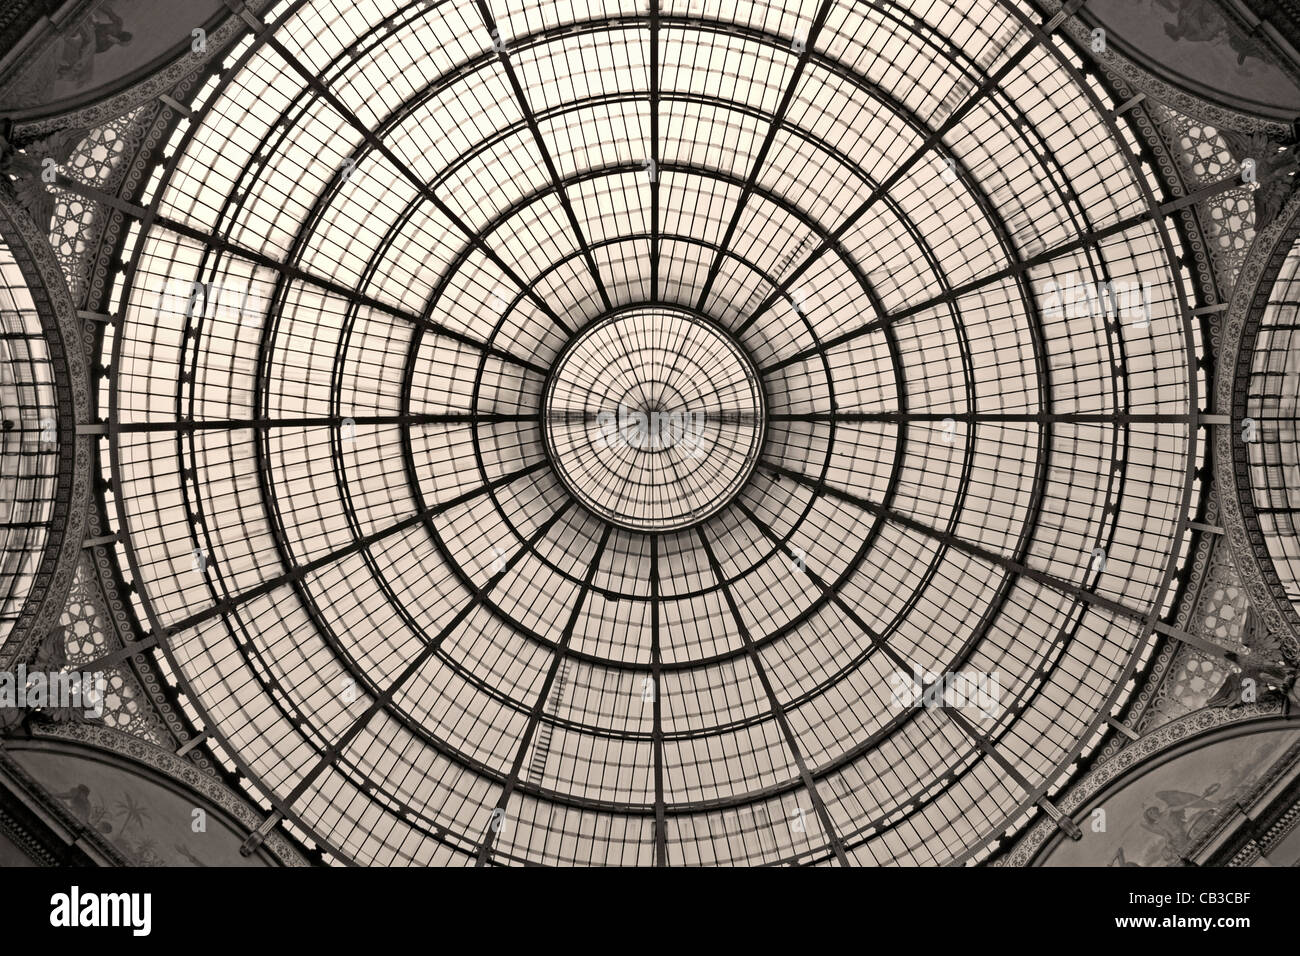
330	473
29	459
1271	456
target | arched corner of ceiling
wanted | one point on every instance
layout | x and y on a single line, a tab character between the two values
170	79
1137	757
1118	66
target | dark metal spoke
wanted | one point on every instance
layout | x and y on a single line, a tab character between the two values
656	672
327	421
334	752
301	571
1118	419
760	160
334	288
404	168
1068	588
530	118
983	90
653	171
484	854
778	712
1089	240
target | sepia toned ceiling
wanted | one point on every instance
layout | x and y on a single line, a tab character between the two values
579	433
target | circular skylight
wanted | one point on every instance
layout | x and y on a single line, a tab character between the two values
653	419
653	433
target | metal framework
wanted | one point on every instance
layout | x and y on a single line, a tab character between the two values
397	263
653	418
29	442
1266	445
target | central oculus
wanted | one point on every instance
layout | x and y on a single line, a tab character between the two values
653	418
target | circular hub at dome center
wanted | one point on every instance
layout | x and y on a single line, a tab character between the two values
654	418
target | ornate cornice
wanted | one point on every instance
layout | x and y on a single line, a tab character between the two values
94	849
151	128
1225	825
1144	707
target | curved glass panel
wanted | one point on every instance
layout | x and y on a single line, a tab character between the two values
29	442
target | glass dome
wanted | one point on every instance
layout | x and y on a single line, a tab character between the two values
588	433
